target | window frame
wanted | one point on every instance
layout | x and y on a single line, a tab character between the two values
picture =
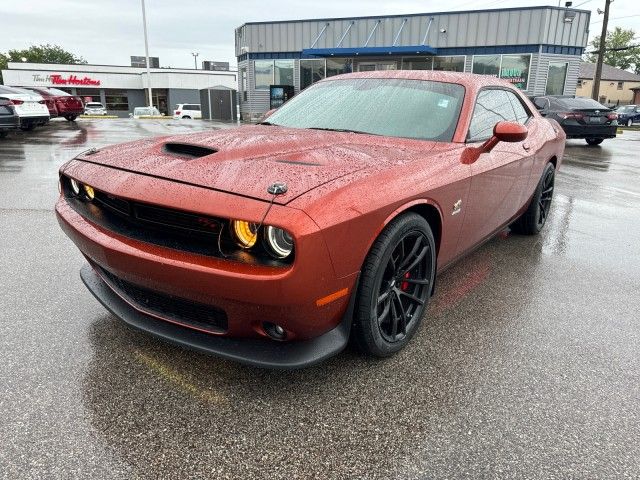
273	72
475	104
566	77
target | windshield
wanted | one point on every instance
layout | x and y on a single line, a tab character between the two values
94	105
627	109
418	109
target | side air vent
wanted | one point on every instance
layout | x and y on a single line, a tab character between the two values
188	150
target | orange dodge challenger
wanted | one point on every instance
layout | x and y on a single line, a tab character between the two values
274	244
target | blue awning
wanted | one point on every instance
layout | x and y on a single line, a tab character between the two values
369	51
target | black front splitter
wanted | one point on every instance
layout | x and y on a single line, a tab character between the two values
259	352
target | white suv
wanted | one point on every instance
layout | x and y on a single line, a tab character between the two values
94	108
29	107
187	110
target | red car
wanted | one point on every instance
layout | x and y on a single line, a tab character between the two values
66	105
273	244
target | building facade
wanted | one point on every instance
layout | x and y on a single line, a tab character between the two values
120	88
537	48
616	85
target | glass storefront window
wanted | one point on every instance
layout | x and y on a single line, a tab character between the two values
284	72
486	65
417	63
310	72
449	64
515	69
556	78
338	66
263	70
117	100
88	94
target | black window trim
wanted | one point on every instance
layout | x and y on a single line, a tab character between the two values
495	87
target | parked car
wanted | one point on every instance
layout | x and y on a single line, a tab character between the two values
94	108
9	119
140	112
68	106
579	117
628	114
30	107
48	101
271	244
187	110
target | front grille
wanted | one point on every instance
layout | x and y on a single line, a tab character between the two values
165	217
185	312
167	227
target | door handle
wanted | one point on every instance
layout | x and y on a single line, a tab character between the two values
526	146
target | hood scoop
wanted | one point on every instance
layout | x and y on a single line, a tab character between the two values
187	150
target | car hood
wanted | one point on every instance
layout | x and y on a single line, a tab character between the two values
246	160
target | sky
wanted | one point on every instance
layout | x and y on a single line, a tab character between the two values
109	31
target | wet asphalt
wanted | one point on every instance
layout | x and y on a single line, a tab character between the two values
526	365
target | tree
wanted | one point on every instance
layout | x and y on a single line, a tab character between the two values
620	50
39	54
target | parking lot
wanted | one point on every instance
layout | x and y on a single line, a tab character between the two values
526	366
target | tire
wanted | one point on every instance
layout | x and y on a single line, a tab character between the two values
187	117
592	142
71	118
3	134
535	217
395	286
629	123
28	127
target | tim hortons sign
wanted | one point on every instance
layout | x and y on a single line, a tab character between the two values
57	79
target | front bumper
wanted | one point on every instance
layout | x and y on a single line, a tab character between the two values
259	352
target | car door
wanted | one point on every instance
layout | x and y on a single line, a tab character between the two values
500	178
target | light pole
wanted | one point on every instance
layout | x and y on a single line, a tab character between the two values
195	59
146	53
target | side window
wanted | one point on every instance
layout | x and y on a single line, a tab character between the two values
521	113
492	106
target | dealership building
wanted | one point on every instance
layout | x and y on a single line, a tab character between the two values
538	49
120	88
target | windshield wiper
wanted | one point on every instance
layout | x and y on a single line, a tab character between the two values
343	130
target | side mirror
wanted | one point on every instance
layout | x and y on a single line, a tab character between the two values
502	132
505	132
510	132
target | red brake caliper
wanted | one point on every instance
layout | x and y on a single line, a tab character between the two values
405	285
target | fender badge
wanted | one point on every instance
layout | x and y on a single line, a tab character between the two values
457	207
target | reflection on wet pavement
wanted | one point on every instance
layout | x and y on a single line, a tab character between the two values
526	365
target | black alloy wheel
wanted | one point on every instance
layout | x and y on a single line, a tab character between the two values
536	214
546	195
395	286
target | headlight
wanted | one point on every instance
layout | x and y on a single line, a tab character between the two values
278	242
89	191
246	233
75	186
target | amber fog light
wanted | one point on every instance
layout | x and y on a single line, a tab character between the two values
89	192
246	233
274	331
